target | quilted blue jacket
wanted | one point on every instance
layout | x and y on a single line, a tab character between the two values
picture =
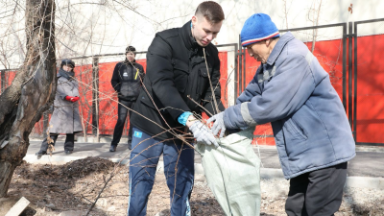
293	92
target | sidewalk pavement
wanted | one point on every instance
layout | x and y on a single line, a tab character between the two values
366	170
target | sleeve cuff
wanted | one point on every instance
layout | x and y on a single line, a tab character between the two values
182	119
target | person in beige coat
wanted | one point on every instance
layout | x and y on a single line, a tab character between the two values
65	118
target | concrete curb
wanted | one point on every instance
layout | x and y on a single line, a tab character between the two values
365	182
80	139
124	139
269	173
265	173
377	149
62	159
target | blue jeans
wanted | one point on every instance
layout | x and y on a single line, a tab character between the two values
144	158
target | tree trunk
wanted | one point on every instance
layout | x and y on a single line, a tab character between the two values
31	92
6	171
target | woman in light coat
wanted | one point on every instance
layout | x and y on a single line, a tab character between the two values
65	118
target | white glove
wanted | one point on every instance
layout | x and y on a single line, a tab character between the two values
203	134
218	125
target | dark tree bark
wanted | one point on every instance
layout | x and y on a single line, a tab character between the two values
31	92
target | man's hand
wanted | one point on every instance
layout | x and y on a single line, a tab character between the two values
72	99
218	125
202	133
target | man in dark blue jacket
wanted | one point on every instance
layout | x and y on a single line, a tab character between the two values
293	92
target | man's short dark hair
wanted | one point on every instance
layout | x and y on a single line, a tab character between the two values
211	10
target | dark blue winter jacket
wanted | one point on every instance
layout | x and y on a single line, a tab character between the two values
293	92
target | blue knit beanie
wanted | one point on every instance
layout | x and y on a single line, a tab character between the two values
258	27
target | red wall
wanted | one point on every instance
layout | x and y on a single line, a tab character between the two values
370	85
83	74
370	88
329	54
108	97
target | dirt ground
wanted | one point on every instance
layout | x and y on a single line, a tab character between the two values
70	189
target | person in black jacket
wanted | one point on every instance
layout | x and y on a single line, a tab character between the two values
176	85
126	80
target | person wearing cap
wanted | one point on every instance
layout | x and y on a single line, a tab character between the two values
65	117
293	92
176	85
126	80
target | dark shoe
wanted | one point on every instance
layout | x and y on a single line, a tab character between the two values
130	145
67	152
112	148
40	153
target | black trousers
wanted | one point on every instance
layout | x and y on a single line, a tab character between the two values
69	143
316	193
122	113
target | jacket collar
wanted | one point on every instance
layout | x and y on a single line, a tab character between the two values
186	35
127	62
68	75
279	47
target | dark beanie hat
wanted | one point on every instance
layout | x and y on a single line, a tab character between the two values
130	49
67	62
258	27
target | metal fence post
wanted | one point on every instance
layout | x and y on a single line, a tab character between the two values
95	95
350	78
45	124
235	69
355	81
244	85
240	74
2	80
344	91
235	75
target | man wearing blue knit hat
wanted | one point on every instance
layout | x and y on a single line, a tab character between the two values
292	91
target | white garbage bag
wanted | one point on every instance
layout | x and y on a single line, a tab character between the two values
233	173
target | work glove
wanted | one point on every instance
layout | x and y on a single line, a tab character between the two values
72	99
218	125
76	98
202	134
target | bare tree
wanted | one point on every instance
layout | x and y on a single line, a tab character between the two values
32	90
286	13
315	20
